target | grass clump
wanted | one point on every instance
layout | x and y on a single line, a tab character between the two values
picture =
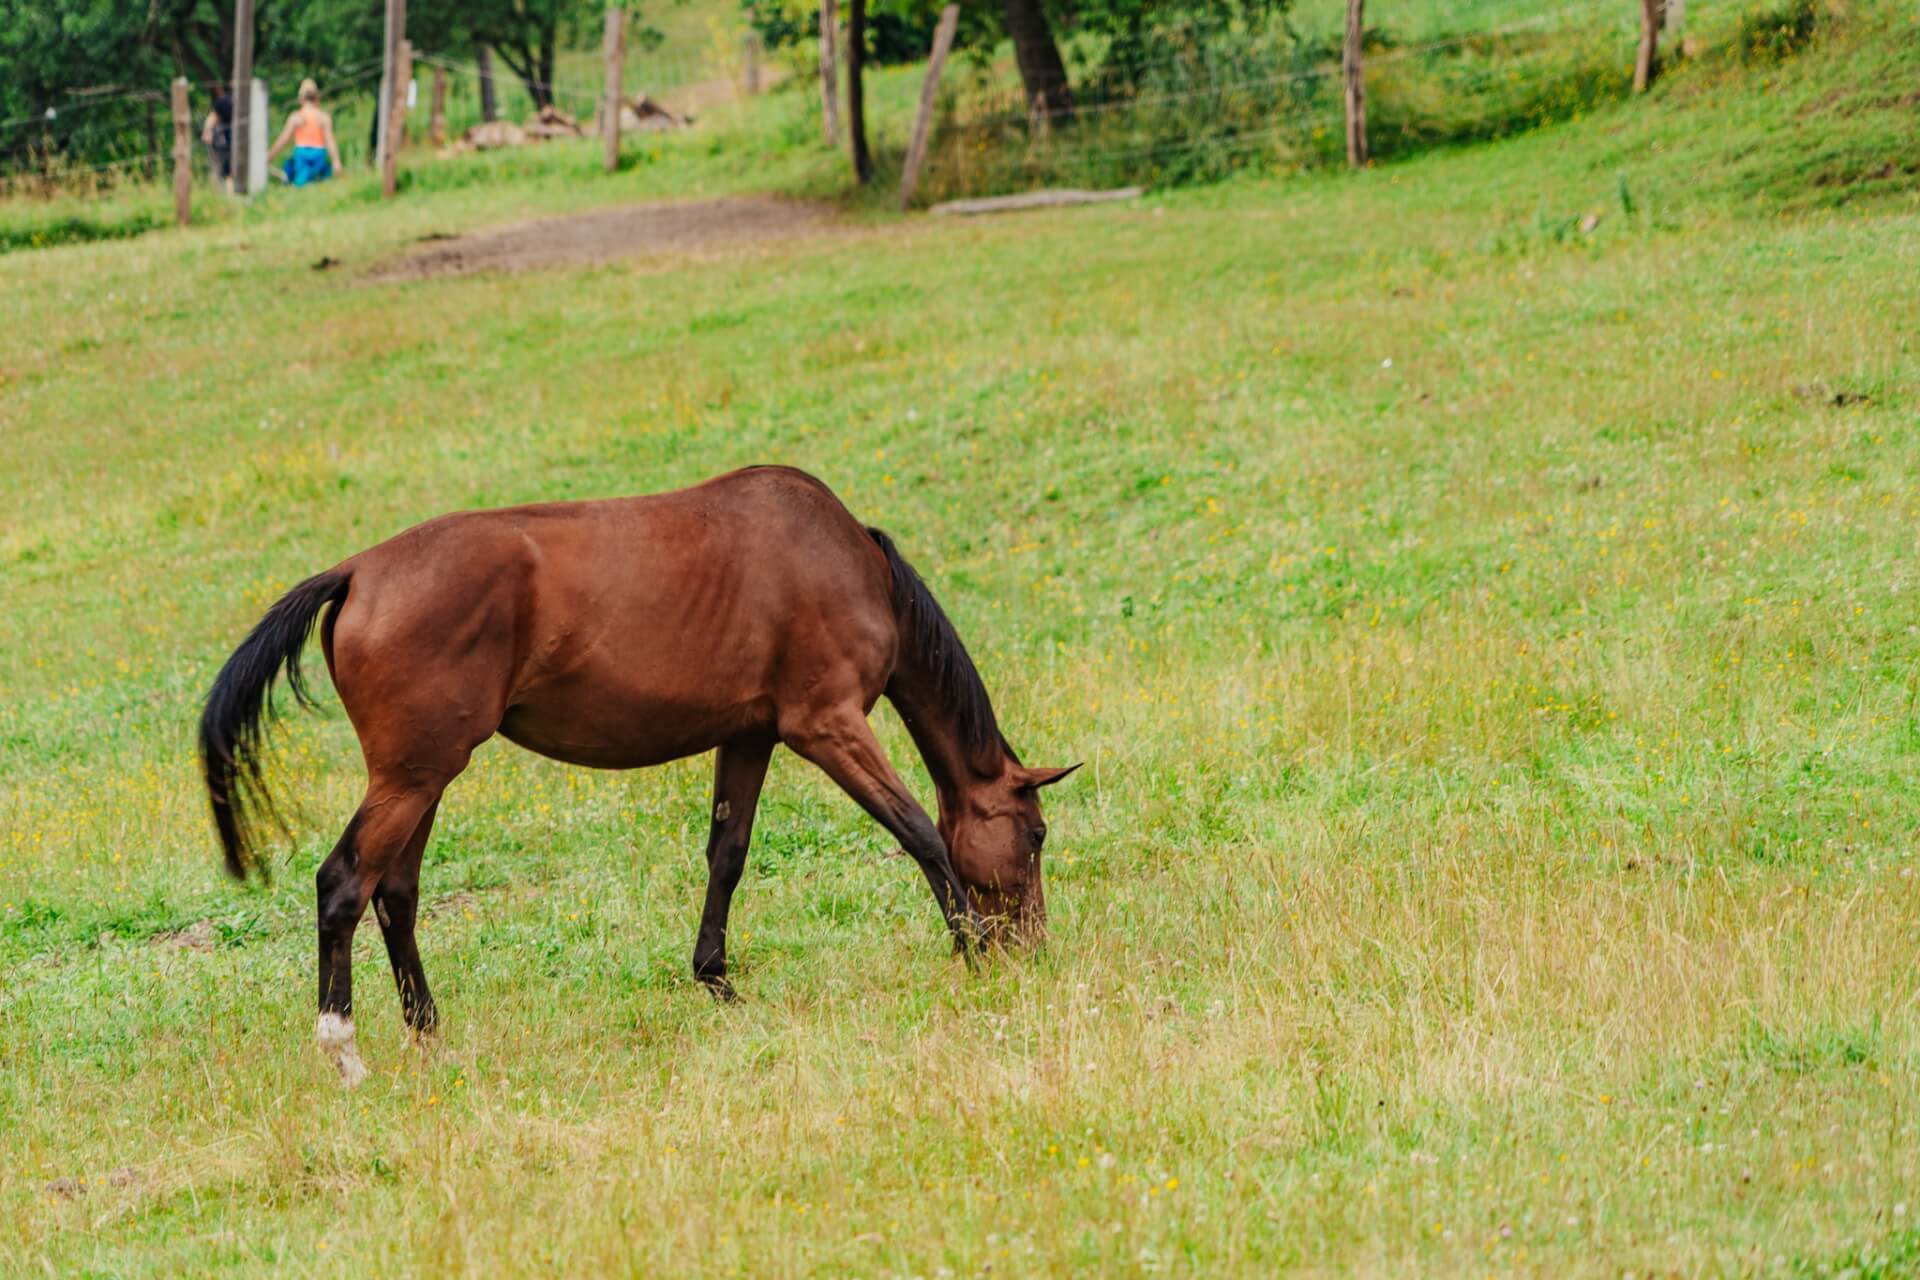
1770	36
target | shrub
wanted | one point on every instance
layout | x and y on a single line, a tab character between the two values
1774	35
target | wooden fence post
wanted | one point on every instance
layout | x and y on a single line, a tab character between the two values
437	122
1643	63
483	58
750	62
393	33
241	92
829	83
929	91
611	100
1356	87
182	154
396	119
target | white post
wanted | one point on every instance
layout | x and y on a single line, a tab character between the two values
258	127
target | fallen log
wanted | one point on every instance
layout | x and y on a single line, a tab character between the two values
1050	199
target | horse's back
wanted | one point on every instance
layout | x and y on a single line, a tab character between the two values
623	631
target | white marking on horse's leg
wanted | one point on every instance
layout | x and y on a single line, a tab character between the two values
335	1035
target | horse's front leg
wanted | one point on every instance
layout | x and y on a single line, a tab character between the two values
739	769
841	742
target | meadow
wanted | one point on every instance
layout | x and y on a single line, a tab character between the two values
1491	643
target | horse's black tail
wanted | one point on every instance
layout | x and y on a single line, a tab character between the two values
239	708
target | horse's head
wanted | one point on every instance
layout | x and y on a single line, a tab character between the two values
995	836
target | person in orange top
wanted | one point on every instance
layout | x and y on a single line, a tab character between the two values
316	156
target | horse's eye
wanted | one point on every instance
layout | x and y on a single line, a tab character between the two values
1039	835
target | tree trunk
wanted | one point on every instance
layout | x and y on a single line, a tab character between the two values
1041	71
525	63
547	43
489	105
1644	68
856	90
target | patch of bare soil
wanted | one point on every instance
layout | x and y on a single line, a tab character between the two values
198	936
605	235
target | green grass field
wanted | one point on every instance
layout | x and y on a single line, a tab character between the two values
1492	644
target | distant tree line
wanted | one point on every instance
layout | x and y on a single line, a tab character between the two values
1113	44
86	79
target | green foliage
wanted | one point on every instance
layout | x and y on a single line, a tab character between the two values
1269	99
896	34
1774	35
103	70
1261	97
77	229
1895	1256
528	35
1820	1048
1134	46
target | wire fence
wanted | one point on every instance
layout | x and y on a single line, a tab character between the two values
1184	110
127	133
1270	98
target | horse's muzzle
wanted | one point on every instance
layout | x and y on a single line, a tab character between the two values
1016	922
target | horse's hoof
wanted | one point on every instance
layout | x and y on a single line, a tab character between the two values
721	989
335	1034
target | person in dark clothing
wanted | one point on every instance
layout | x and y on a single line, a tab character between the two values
217	133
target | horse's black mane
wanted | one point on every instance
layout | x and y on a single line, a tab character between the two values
935	646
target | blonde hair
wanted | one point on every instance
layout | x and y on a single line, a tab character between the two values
309	91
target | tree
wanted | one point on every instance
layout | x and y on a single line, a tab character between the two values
526	34
857	90
898	31
1137	36
1042	72
527	37
87	74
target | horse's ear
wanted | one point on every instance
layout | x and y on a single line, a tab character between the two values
1034	779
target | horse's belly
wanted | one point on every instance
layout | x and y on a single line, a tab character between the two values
611	732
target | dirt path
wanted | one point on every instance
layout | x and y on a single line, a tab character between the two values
605	235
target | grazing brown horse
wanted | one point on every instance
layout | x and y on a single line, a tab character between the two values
744	612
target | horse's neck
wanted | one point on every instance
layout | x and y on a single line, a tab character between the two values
954	769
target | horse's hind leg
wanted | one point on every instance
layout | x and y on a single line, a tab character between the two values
738	770
378	834
396	904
